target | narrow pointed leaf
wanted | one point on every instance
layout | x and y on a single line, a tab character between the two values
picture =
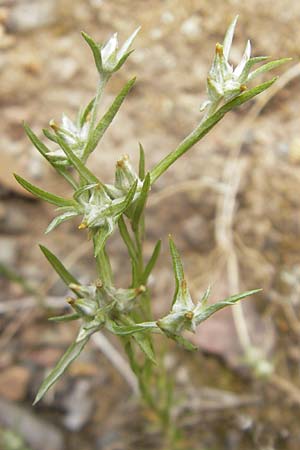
129	349
107	118
102	235
60	269
177	264
60	219
71	354
43	150
127	239
122	60
249	64
141	162
51	136
127	44
95	50
144	342
83	189
151	263
125	330
64	318
210	310
229	37
124	204
267	67
104	267
83	171
205	297
185	343
44	195
141	202
85	114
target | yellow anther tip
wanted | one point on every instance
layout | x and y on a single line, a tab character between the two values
53	125
189	315
70	300
98	284
219	49
82	226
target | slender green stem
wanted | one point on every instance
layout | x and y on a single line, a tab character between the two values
103	267
101	86
204	127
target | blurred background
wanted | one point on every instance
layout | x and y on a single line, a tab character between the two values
232	205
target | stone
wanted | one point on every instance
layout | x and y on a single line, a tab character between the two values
191	28
31	15
37	433
8	251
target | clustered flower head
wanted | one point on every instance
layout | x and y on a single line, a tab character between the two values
223	81
109	57
185	315
75	135
99	305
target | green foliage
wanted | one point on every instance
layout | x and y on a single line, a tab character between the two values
72	353
127	312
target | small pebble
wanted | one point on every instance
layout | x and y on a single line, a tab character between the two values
31	15
191	28
8	251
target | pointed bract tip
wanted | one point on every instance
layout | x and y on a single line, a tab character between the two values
36	400
74	286
70	300
219	49
141	289
53	125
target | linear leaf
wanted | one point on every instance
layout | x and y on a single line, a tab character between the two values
72	353
124	330
60	219
102	235
43	150
95	50
210	310
39	145
79	166
107	118
60	269
267	67
229	37
44	195
122	206
151	263
83	189
127	239
85	113
104	267
64	318
145	343
177	264
51	136
141	202
185	343
142	163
